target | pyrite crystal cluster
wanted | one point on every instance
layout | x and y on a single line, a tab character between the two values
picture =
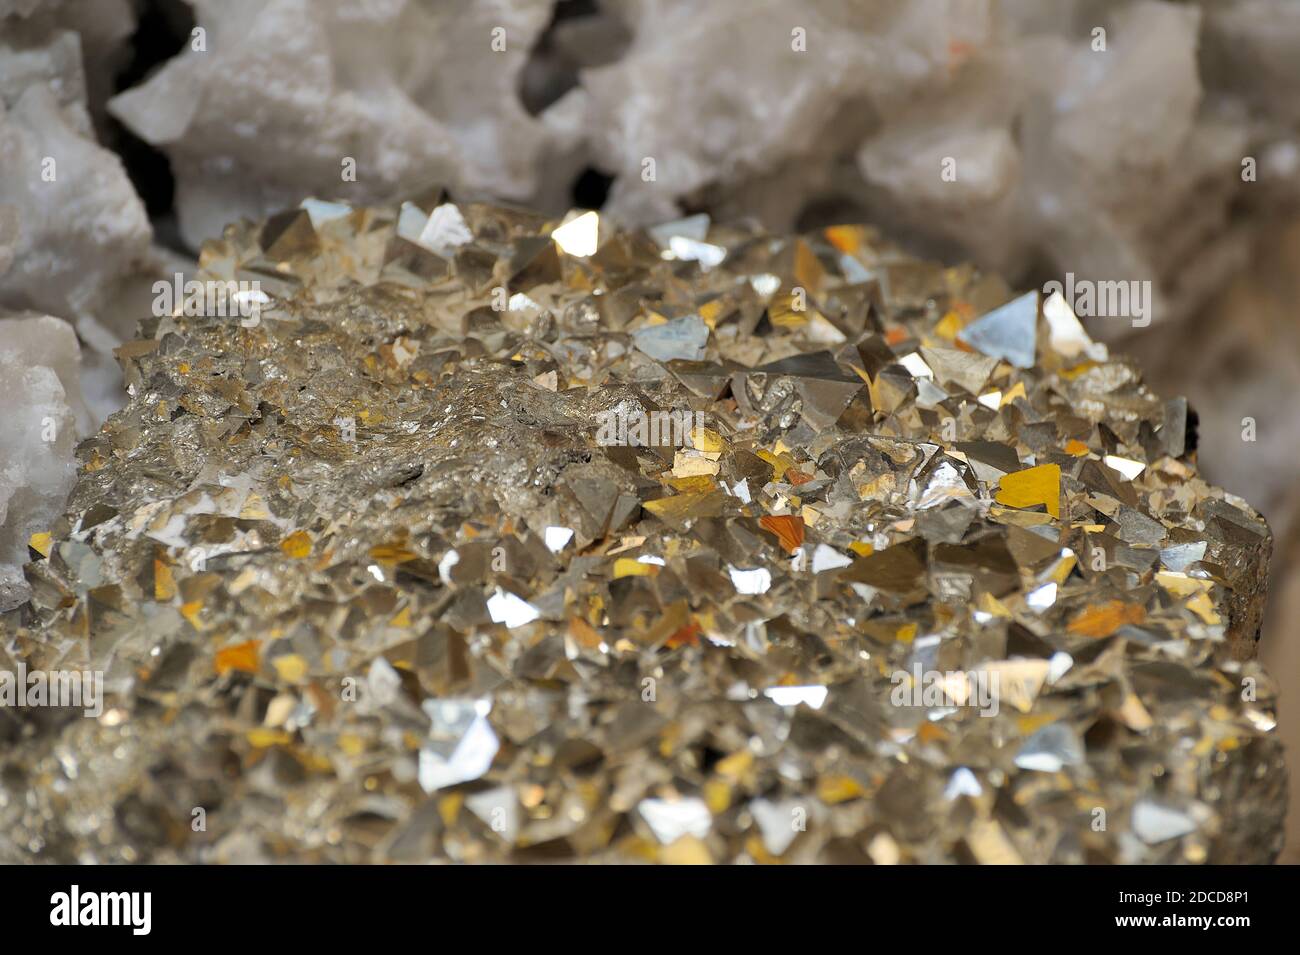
492	538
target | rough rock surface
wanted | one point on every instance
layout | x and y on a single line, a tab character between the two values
373	578
1123	163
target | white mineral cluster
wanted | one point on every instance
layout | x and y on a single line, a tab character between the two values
272	101
43	408
74	236
103	28
1071	136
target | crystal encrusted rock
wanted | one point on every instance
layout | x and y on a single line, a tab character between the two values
492	538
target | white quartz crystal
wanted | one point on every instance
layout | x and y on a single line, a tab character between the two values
344	99
1081	137
102	26
38	431
79	226
74	236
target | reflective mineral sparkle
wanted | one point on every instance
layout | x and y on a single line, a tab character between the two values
365	586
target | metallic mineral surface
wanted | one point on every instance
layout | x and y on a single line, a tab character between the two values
491	538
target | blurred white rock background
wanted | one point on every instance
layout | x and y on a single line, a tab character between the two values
1134	140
